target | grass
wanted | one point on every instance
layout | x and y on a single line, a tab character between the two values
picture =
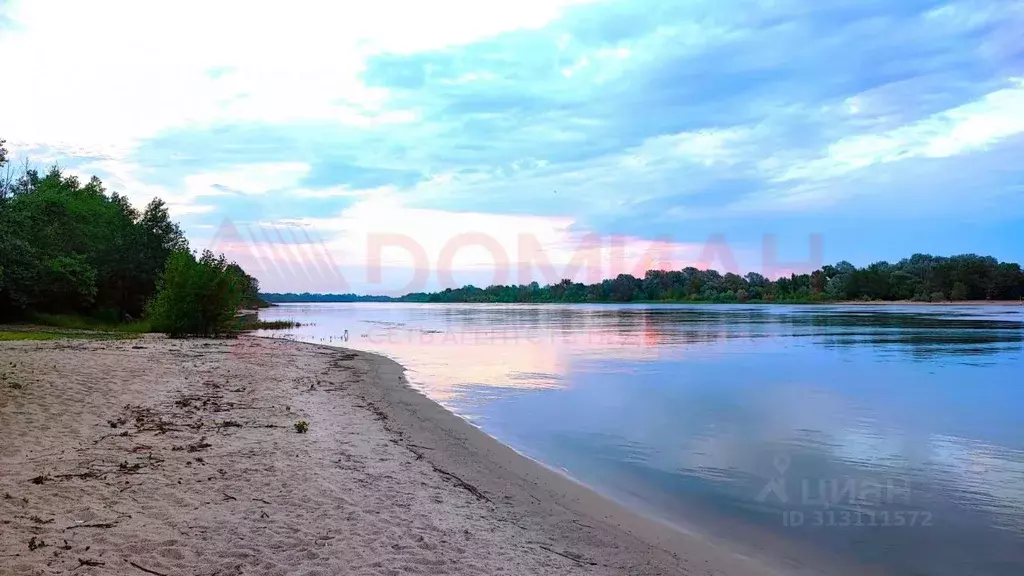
34	333
271	325
64	326
11	335
74	322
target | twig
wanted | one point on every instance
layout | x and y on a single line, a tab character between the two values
97	525
146	570
462	483
105	436
81	475
261	500
579	561
87	562
228	496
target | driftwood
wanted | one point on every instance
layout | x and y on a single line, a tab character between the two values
146	570
96	525
577	559
461	483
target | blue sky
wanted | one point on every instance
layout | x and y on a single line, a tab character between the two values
882	128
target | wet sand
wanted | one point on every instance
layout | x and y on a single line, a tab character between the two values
181	457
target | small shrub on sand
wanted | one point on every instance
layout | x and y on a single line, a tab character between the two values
302	426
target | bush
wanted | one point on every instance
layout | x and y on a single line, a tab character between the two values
196	297
302	426
272	325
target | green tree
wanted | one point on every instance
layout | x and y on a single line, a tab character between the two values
69	283
959	291
196	297
76	248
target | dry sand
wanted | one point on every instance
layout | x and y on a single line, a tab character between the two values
180	457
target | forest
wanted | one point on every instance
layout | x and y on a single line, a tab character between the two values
285	297
920	278
74	249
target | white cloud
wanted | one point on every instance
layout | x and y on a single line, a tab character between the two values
95	78
973	126
247	179
706	147
343	191
187	198
178	210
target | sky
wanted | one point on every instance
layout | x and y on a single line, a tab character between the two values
394	146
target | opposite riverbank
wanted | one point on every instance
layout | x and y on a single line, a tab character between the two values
182	457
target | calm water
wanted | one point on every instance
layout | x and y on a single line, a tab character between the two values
886	438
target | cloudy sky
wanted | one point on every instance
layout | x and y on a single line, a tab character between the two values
607	134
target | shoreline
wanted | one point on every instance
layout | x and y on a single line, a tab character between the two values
539	488
478	455
203	472
1006	303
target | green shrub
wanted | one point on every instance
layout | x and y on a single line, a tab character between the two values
196	297
302	426
272	325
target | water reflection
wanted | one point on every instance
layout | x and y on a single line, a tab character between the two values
881	414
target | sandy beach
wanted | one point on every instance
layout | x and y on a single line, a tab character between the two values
181	457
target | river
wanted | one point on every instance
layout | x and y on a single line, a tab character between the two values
888	438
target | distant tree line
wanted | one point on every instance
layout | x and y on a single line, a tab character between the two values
74	249
921	278
276	297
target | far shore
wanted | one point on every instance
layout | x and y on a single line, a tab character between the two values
702	303
164	456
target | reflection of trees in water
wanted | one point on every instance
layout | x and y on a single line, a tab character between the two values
926	345
920	334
